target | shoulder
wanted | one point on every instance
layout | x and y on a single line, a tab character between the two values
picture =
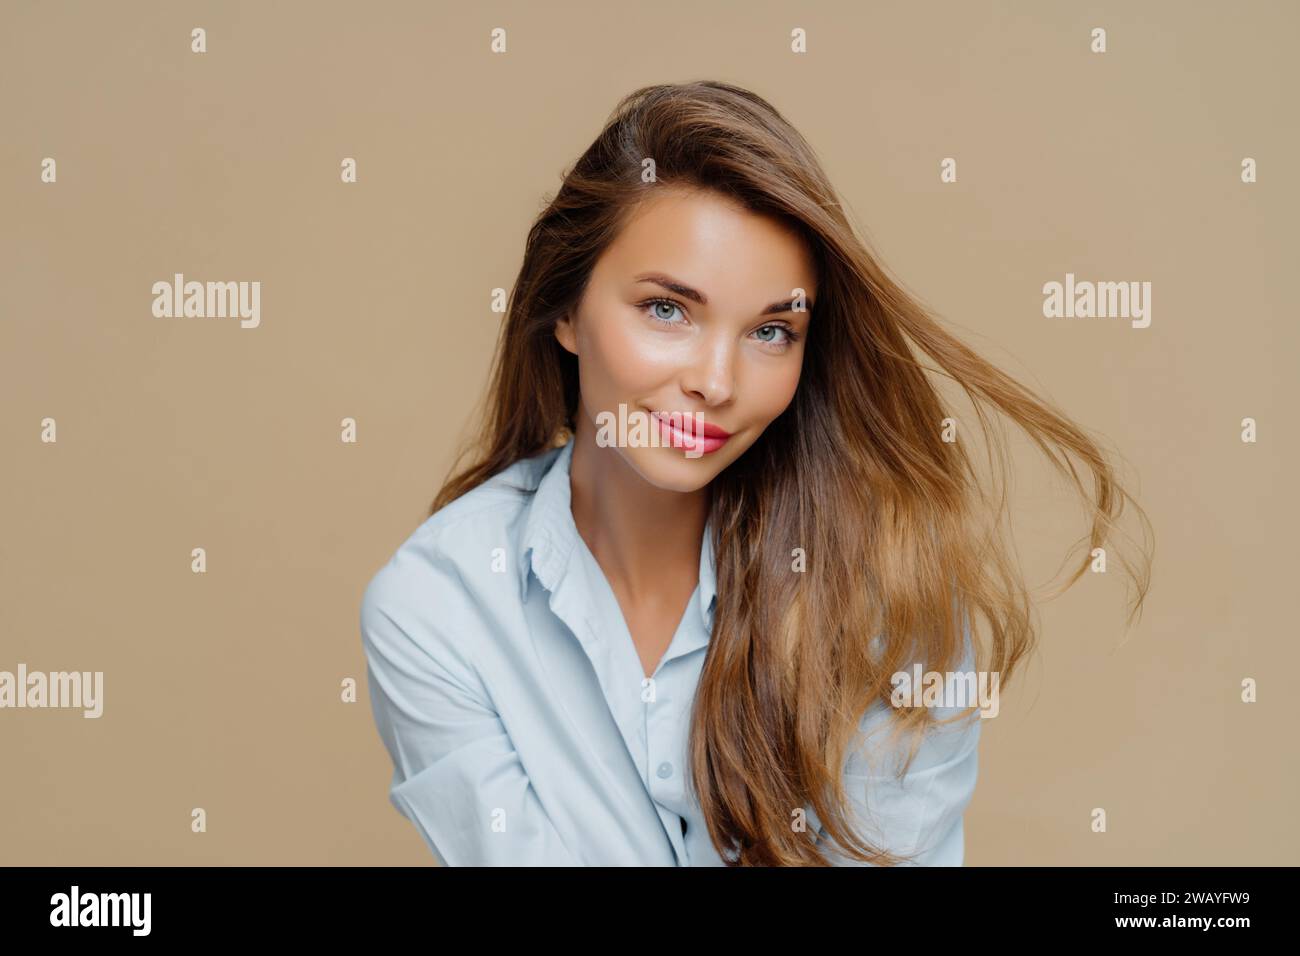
432	591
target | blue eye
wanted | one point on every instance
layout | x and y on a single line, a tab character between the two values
655	305
785	330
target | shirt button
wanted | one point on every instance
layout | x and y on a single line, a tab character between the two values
665	770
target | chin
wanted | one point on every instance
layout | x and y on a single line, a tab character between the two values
670	470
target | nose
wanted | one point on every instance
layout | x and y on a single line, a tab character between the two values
711	378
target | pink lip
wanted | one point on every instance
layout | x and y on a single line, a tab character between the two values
711	438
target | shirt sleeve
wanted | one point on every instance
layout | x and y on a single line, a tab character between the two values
456	774
921	814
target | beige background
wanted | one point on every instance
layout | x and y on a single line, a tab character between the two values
222	689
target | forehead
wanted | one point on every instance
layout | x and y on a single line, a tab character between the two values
711	242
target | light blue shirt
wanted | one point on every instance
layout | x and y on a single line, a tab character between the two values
523	731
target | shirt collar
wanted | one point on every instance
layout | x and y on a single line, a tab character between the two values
550	534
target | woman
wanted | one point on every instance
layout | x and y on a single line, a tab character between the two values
715	511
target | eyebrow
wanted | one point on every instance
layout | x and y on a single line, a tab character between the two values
695	295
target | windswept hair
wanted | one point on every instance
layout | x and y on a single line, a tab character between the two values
905	548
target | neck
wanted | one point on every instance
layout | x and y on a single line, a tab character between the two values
643	537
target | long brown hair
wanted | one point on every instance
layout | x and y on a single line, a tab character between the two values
857	472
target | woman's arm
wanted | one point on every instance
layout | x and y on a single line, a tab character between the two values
922	813
456	774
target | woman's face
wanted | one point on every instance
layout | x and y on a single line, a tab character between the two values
699	308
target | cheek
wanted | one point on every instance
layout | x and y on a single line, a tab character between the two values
773	387
627	355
